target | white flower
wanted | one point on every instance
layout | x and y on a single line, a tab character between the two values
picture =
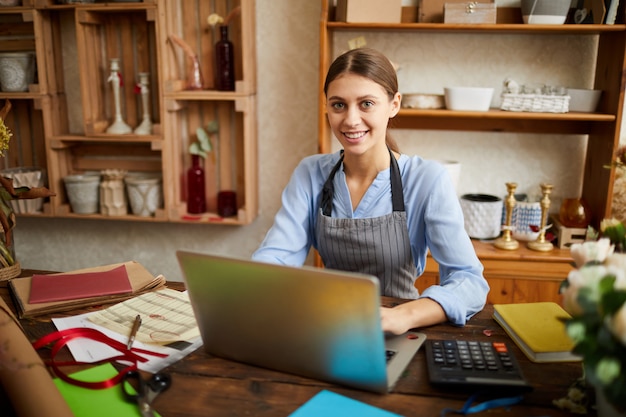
214	19
585	277
591	251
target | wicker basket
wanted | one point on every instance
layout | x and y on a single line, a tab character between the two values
535	103
10	272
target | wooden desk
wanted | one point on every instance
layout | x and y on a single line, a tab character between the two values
204	385
517	276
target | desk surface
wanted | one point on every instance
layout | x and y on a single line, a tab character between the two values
205	385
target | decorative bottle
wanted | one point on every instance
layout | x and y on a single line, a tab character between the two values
225	62
196	201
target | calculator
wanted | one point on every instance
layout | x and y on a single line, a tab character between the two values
472	363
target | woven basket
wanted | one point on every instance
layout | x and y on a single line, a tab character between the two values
10	272
535	103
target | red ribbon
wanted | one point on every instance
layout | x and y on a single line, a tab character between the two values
60	338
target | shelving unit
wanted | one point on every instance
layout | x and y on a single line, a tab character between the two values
602	127
64	116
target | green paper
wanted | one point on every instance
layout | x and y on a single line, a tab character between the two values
97	402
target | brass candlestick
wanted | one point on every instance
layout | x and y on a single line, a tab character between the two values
506	241
541	244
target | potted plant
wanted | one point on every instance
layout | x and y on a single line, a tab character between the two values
595	296
9	266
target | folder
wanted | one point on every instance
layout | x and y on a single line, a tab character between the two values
141	281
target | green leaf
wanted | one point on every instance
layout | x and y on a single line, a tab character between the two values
194	149
203	139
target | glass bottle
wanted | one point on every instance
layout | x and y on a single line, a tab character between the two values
225	63
574	212
196	201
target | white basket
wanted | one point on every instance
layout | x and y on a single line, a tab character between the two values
535	103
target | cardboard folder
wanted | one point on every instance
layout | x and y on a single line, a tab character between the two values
141	281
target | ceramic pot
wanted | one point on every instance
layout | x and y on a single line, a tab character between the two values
144	193
26	177
83	192
545	12
17	71
482	215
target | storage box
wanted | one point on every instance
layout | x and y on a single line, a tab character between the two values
567	235
369	11
432	11
469	12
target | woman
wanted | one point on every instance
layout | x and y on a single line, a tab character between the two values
373	210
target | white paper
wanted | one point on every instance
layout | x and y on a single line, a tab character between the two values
85	350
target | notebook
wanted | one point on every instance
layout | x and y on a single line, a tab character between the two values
313	322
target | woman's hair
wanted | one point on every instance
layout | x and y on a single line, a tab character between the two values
371	64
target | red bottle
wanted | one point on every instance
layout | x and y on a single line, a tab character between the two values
225	62
196	200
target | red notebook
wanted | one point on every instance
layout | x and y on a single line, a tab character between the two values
49	288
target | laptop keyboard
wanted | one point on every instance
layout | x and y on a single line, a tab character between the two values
473	363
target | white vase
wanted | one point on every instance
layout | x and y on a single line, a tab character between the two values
17	71
144	193
26	177
83	193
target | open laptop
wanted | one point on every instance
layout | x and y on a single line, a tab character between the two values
308	321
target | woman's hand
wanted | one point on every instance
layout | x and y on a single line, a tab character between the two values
422	312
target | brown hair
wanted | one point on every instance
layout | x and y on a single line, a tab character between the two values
368	63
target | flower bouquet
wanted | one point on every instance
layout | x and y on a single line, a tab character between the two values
8	193
595	296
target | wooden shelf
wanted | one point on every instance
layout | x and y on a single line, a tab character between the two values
63	119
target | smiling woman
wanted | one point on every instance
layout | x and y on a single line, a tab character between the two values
371	209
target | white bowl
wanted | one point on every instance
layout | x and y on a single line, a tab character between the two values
582	100
468	98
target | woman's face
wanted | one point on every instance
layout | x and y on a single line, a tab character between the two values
358	112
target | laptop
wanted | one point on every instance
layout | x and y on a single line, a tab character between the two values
313	322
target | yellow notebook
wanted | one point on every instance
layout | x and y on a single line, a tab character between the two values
538	329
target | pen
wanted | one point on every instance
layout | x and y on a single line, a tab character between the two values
133	332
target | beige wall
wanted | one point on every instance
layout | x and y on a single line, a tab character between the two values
287	48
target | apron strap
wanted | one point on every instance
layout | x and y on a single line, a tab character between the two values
329	189
397	198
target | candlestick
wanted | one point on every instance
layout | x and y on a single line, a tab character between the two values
506	241
541	244
145	128
119	127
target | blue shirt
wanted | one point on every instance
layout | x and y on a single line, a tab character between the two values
434	221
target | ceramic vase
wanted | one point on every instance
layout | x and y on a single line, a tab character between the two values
26	177
17	71
144	193
113	200
83	192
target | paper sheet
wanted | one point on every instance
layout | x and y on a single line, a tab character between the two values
166	316
90	351
85	402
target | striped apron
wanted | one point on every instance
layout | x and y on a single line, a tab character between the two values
378	246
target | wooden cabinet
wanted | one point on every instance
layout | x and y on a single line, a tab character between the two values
520	275
60	123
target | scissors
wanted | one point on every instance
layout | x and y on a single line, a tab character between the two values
146	390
